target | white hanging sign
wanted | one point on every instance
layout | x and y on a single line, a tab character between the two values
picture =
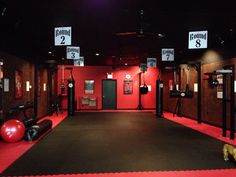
197	40
73	53
79	62
167	54
151	62
62	36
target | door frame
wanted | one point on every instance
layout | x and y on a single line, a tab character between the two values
115	91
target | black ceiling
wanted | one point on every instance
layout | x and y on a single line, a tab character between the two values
27	28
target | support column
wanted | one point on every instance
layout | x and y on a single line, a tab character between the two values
159	98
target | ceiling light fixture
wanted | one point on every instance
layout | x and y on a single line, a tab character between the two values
3	11
160	35
97	54
221	40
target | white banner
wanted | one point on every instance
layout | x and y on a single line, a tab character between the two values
167	54
79	62
197	40
62	36
73	53
151	62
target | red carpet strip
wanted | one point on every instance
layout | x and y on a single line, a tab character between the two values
212	131
119	110
9	152
197	173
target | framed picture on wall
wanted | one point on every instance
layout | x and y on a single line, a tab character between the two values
89	86
18	84
128	87
39	86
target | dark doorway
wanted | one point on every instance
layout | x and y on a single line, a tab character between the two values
109	94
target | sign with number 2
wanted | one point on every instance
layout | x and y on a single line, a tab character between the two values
62	36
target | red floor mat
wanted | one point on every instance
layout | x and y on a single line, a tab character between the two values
12	151
212	131
203	173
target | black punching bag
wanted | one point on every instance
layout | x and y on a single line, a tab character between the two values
71	97
159	98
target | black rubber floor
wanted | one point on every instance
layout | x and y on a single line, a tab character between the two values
119	142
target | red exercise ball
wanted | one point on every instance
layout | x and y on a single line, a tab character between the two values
12	131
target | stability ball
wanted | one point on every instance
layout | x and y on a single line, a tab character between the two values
12	131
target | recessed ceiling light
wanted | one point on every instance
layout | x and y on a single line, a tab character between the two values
160	35
97	54
3	11
49	52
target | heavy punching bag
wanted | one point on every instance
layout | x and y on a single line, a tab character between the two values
71	97
159	98
35	131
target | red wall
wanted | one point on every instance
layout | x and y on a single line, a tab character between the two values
98	73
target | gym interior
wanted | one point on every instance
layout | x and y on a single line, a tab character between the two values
117	89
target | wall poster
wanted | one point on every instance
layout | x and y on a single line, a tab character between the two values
128	87
89	86
39	86
18	84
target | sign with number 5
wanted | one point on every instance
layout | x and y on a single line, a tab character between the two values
197	40
62	36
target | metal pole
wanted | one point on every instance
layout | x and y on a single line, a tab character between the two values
199	98
232	104
224	107
159	98
50	73
36	89
140	107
